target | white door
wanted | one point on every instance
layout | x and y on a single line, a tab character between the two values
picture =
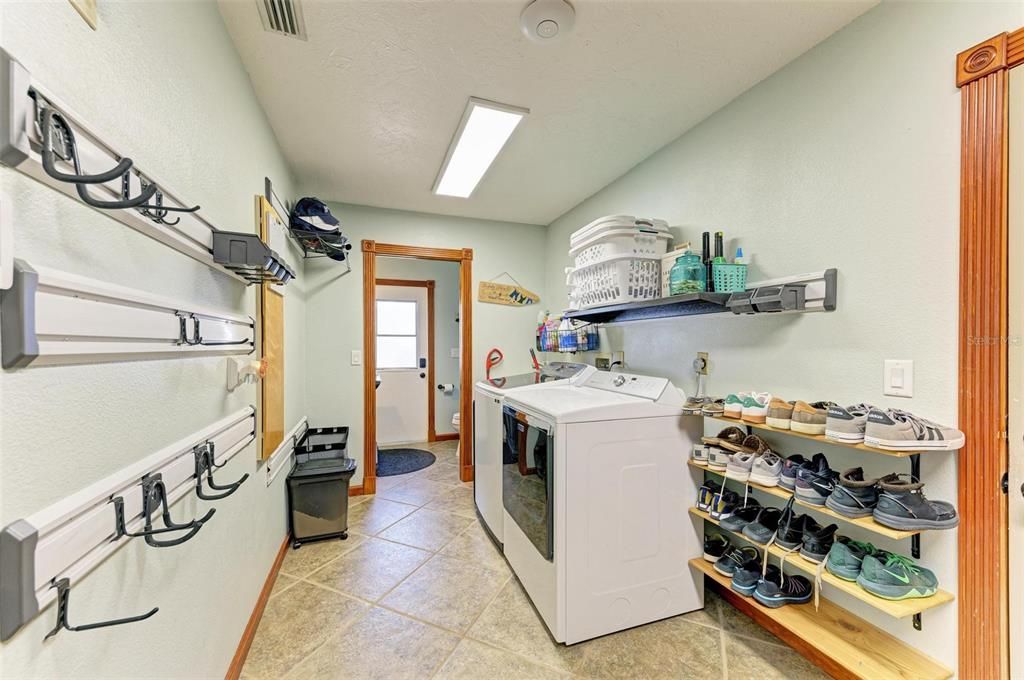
401	364
1016	377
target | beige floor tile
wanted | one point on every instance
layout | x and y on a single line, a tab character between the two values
385	483
442	472
711	614
312	556
474	660
295	625
458	501
474	545
447	592
426	529
419	491
281	583
735	621
672	648
511	623
752	660
381	645
377	514
372	569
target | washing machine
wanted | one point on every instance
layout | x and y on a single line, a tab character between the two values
489	448
595	503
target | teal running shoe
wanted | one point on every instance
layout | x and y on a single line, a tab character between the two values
846	556
895	577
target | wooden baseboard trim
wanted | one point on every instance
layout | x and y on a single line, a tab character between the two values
235	669
356	490
446	436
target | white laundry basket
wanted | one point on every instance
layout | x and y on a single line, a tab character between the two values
634	242
620	279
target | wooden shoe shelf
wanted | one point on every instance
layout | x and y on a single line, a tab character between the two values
896	608
845	645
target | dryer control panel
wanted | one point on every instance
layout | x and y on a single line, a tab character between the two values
642	386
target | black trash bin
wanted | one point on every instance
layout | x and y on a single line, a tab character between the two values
318	498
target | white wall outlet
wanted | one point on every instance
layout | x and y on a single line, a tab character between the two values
357	357
899	378
454	352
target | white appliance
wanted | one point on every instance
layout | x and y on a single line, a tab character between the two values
488	432
595	503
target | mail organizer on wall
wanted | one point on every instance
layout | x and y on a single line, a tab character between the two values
44	139
52	317
45	554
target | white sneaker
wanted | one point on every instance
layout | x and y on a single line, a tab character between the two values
718	459
755	407
700	454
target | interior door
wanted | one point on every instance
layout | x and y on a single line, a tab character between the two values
402	325
1015	358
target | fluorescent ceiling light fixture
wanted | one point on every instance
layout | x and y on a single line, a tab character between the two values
483	131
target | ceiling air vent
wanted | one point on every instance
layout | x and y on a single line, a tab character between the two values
283	17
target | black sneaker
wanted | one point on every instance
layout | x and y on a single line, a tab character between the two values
741	517
817	540
734	558
715	546
815	481
763	528
746	577
854	496
787	479
793	590
902	505
791	528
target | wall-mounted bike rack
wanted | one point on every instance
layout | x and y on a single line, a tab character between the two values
43	555
52	317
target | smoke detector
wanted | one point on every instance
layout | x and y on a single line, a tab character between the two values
545	21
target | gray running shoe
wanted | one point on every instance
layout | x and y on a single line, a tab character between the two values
766	470
896	577
787	479
901	431
815	481
718	459
846	556
847	424
855	496
902	505
739	466
793	590
734	558
741	517
762	529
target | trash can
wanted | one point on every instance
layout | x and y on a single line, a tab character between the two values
318	499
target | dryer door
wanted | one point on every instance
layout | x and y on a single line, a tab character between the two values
527	478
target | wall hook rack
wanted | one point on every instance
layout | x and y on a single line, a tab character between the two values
63	587
154	498
205	465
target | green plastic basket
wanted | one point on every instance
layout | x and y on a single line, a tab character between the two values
729	278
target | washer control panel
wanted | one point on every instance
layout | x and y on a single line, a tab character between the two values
643	386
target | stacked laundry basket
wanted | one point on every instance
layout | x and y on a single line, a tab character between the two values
617	259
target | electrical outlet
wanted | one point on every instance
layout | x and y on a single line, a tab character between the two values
618	361
898	379
603	362
357	357
454	352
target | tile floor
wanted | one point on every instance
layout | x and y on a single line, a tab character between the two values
419	591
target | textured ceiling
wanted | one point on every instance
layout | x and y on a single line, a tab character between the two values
365	109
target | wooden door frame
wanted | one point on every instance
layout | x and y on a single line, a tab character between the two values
464	257
429	285
983	592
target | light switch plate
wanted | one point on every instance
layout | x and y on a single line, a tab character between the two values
898	379
357	357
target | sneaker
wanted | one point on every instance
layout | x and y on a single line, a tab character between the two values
739	466
734	558
714	408
787	478
855	496
732	407
705	494
847	424
902	505
901	431
766	469
718	459
780	412
846	556
694	406
751	444
741	517
896	577
723	504
815	481
746	577
715	546
793	590
809	418
730	435
699	455
817	540
763	527
790	531
755	407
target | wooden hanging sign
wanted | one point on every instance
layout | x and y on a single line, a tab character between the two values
505	294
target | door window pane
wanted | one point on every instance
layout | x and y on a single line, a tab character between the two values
396	351
396	317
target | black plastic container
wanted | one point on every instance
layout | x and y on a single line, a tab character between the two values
318	497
